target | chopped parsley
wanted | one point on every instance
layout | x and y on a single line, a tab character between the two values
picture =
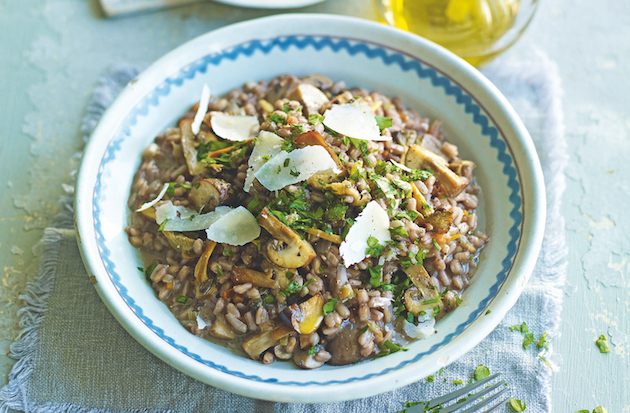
522	328
488	312
254	206
481	372
517	405
602	344
389	347
329	307
398	231
430	379
374	249
542	341
269	299
291	289
600	409
408	214
435	243
276	117
529	339
149	271
417	175
383	122
458	382
312	350
181	299
205	148
297	129
162	225
375	275
315	118
364	329
228	253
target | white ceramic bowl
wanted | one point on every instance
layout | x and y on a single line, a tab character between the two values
476	117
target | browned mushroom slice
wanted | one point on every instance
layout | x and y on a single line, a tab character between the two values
312	138
188	147
220	328
463	167
180	242
311	97
440	220
433	144
287	249
418	157
257	344
306	317
281	89
242	275
209	193
349	189
423	207
317	80
423	296
205	286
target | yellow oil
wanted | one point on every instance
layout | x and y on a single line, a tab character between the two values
469	28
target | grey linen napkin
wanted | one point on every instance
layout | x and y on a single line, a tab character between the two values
74	356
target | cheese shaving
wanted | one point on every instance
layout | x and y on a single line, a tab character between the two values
267	145
373	221
238	227
157	199
401	166
179	218
288	168
355	120
201	111
234	128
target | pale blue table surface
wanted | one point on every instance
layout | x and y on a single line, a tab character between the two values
53	51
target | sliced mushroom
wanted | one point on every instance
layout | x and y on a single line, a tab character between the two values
423	207
344	346
188	147
418	157
281	89
310	96
440	220
324	235
287	249
423	296
317	80
460	167
208	194
180	242
257	344
242	275
306	317
320	179
221	329
312	138
451	300
303	359
205	286
348	188
433	144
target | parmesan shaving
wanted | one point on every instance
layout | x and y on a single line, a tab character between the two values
201	111
237	227
234	128
288	168
373	221
401	166
355	120
157	199
267	145
179	218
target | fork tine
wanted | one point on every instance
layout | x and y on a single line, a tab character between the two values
478	406
471	399
454	395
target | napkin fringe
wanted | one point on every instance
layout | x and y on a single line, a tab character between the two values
35	298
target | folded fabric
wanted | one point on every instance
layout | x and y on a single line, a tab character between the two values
74	356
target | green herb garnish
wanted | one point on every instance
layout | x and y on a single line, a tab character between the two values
602	344
529	339
542	341
383	122
329	307
481	372
315	118
517	405
430	379
162	225
181	299
149	271
374	249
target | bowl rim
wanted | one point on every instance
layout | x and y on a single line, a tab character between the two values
523	261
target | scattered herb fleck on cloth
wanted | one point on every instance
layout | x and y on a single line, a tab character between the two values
602	344
517	405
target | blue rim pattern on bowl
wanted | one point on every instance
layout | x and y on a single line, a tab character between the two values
371	51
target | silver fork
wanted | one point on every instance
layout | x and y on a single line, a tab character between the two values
441	401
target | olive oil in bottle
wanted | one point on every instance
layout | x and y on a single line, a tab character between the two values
472	29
